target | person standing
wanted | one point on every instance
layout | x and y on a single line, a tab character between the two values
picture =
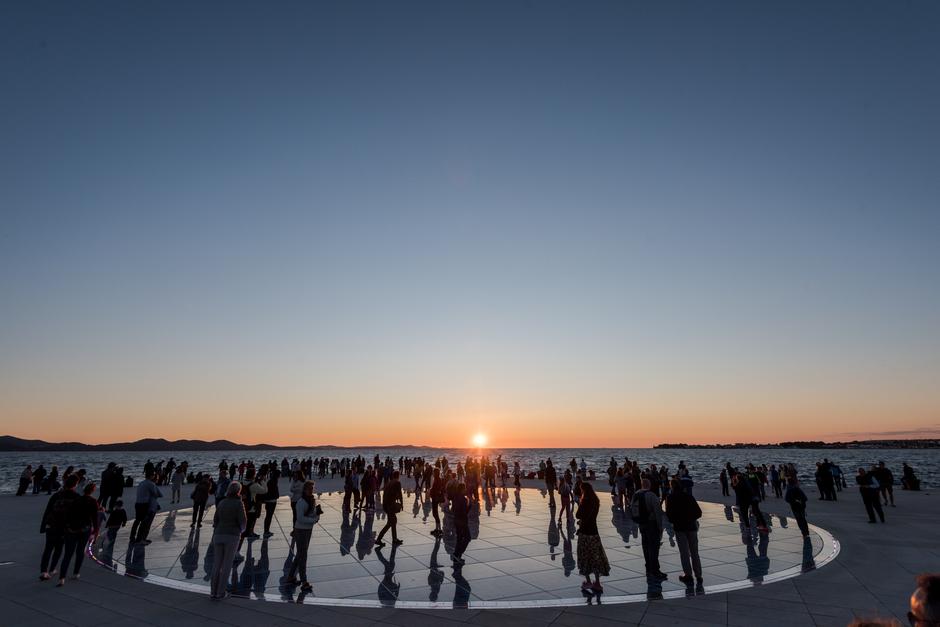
797	499
592	559
26	478
307	515
461	511
53	525
176	484
437	497
351	497
646	511
146	506
270	499
229	524
723	480
222	484
683	512
81	520
747	501
392	503
551	480
868	488
38	476
200	498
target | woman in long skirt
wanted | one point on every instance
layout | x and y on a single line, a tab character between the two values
592	560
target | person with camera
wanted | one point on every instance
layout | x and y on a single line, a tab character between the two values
308	514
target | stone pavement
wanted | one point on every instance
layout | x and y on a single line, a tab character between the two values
873	575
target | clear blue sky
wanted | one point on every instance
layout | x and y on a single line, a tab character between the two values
605	222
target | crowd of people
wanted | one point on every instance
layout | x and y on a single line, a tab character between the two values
651	496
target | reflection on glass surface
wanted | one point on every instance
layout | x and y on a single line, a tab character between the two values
517	553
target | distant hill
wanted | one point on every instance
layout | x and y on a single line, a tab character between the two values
9	443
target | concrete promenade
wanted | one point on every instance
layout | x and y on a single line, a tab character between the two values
873	575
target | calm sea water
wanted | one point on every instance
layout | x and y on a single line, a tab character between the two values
705	464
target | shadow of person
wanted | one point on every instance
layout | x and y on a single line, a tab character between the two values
809	561
365	541
623	524
462	589
347	535
262	571
729	513
135	561
389	588
435	574
189	560
169	526
517	501
758	564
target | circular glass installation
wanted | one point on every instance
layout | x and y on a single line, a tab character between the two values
519	556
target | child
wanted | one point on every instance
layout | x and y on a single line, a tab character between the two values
116	520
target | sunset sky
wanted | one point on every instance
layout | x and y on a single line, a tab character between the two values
560	224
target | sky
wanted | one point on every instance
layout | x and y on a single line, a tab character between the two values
555	223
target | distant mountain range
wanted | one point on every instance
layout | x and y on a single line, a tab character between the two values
9	443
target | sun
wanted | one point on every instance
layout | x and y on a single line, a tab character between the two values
479	440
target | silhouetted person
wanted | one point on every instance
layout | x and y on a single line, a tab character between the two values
392	503
592	559
797	499
925	602
461	510
683	512
53	525
868	488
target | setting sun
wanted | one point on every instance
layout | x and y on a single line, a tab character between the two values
479	440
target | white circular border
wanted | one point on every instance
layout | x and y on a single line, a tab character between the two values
830	550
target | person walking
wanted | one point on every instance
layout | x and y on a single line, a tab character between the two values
646	511
683	512
883	475
797	499
81	521
229	524
437	497
392	503
53	525
307	515
592	559
146	506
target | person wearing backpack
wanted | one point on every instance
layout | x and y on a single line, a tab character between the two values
646	511
683	512
54	520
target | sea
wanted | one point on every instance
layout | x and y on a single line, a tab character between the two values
704	464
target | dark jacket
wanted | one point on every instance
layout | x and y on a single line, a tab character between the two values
82	515
796	498
461	511
587	517
55	516
683	510
392	497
